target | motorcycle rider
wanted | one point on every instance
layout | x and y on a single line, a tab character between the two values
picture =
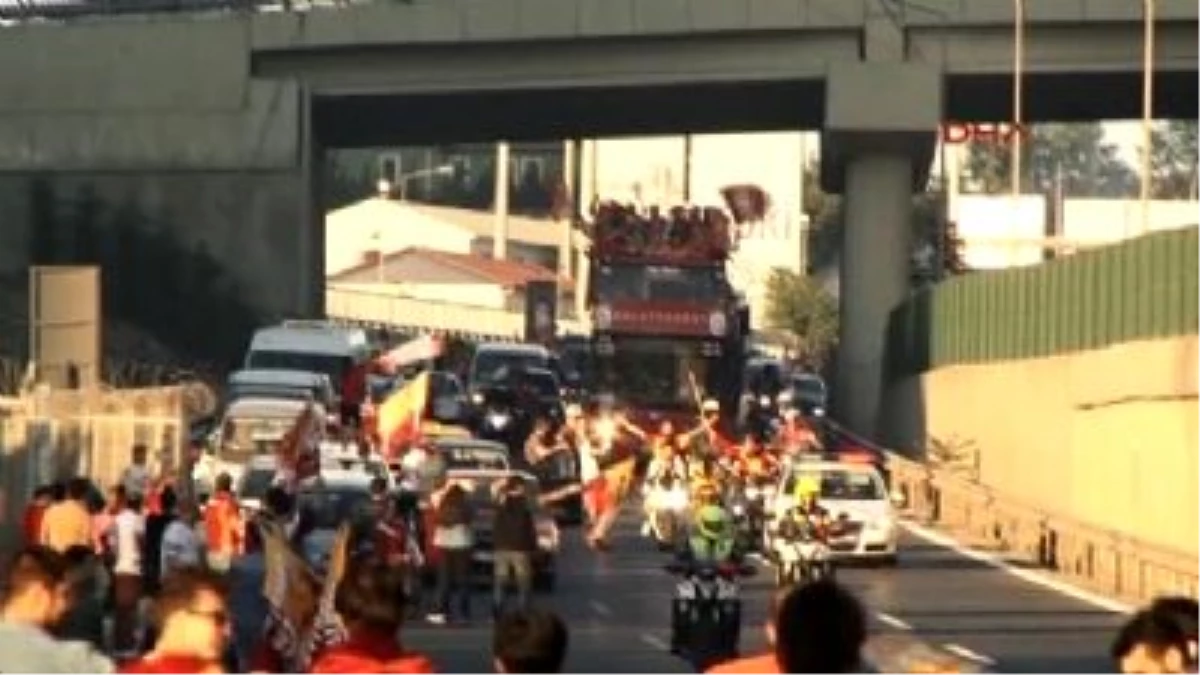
796	436
708	434
755	463
807	517
712	543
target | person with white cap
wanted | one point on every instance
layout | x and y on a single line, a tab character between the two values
796	436
708	432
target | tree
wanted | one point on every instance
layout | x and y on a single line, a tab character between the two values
1173	158
1074	154
800	308
824	213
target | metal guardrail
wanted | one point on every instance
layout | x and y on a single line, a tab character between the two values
1112	563
383	309
16	11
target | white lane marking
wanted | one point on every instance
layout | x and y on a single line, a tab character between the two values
601	608
969	654
892	621
1036	578
654	641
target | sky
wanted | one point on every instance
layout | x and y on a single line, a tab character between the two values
1127	136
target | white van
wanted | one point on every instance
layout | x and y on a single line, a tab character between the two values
313	346
250	428
298	385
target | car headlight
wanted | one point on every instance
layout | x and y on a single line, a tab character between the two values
477	398
603	315
883	524
498	420
764	401
717	324
739	509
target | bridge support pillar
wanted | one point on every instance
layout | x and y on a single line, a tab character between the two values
881	123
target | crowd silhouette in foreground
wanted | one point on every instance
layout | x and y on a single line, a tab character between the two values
49	601
83	597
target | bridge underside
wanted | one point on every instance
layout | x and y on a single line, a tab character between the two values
379	120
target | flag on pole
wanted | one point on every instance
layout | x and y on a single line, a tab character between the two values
401	414
299	451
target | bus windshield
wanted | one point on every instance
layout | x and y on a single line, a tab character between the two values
655	373
659	283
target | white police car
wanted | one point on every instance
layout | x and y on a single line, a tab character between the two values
853	493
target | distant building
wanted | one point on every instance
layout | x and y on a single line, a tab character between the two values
459	279
364	229
998	232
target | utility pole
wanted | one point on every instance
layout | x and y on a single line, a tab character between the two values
1147	109
500	203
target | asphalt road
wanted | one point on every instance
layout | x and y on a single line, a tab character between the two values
616	605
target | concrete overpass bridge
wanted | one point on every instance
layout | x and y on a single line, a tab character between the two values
211	128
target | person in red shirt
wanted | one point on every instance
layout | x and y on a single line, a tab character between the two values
366	602
193	625
354	392
31	522
223	526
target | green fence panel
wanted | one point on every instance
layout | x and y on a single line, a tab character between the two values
1189	278
1143	288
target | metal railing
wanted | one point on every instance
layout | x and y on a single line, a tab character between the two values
15	11
396	311
1112	563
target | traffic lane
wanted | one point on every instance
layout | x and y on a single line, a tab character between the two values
616	606
984	613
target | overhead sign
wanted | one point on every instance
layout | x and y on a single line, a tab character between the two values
990	133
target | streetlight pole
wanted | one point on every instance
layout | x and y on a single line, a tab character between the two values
400	187
1147	109
1018	98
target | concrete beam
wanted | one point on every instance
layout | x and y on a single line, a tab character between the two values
178	64
264	132
399	69
876	149
462	22
859	120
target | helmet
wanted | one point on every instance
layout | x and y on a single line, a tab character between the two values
707	489
712	521
807	487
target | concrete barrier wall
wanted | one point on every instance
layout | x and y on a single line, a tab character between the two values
1107	437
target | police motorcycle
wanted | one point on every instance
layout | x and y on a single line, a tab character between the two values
706	611
751	501
665	495
802	554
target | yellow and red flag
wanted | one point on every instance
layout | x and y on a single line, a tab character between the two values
401	414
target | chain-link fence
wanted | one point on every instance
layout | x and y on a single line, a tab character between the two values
49	436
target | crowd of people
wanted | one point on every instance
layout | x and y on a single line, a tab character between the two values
146	585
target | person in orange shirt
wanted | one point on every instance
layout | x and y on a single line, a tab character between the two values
68	523
761	663
223	525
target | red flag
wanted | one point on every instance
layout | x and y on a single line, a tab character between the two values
298	451
747	203
401	414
